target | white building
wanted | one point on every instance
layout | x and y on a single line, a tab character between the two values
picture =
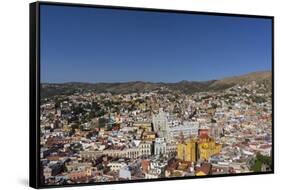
160	124
159	146
125	173
188	129
116	166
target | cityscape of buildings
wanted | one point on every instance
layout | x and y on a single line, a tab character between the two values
89	136
131	95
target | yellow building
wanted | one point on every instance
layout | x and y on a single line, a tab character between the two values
207	147
202	148
148	136
200	173
187	151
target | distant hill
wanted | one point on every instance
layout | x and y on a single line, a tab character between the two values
255	76
187	87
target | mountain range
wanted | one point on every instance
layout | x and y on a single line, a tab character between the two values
187	87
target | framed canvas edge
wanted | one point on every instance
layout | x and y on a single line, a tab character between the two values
34	114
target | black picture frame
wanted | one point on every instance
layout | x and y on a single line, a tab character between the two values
34	93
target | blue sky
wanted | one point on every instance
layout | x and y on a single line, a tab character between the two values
105	45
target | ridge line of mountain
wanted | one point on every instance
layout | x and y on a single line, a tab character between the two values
149	82
186	87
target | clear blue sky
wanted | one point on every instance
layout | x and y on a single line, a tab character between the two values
105	45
